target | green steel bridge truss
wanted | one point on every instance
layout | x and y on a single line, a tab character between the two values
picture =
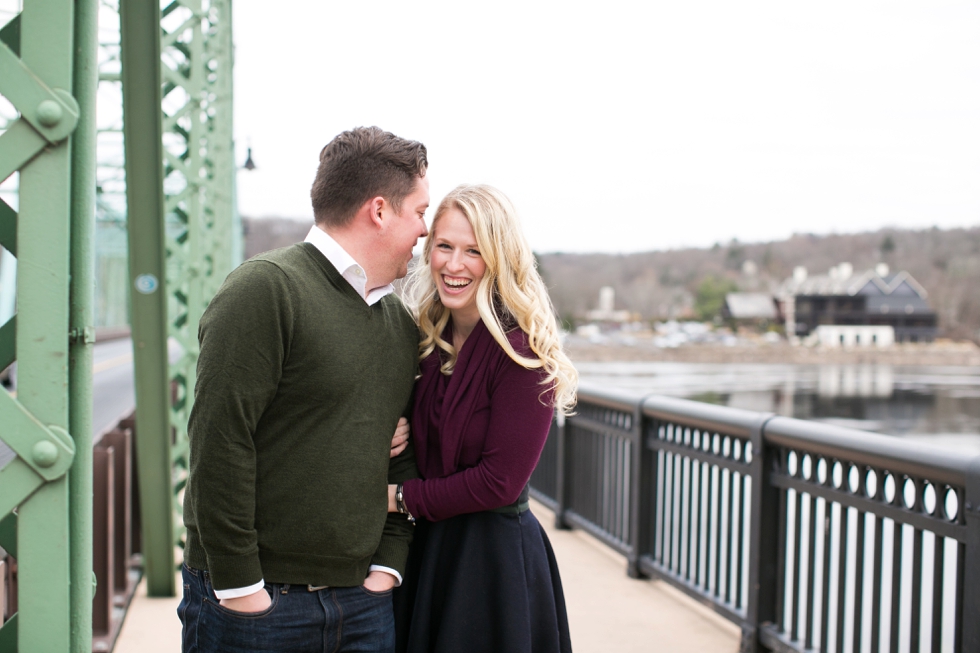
48	73
181	219
176	65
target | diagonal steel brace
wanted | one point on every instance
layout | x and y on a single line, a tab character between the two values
52	112
48	450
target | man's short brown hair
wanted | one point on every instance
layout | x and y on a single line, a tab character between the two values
361	164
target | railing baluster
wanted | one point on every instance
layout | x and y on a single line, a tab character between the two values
796	593
828	520
719	520
811	568
896	606
669	511
782	527
689	549
729	533
938	555
960	591
740	542
858	579
699	506
841	575
878	547
915	623
660	541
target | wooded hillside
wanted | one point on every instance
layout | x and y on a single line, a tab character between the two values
664	284
660	285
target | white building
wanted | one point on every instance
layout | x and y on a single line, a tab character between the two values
843	335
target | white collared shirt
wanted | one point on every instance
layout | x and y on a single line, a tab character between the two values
346	265
356	277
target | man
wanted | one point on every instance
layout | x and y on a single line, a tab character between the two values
307	362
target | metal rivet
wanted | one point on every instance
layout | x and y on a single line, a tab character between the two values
49	113
45	454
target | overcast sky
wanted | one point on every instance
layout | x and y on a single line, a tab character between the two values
631	126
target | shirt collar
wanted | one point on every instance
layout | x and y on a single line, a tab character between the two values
345	264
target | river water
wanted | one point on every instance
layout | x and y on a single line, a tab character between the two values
937	405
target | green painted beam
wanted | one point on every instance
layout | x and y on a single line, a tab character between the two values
8	228
10	34
85	83
8	635
143	135
43	235
8	534
8	342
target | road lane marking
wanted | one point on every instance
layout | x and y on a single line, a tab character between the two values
111	363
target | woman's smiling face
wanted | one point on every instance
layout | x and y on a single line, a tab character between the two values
457	266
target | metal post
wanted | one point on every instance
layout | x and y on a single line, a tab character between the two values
141	74
970	607
562	472
643	469
82	331
39	83
763	541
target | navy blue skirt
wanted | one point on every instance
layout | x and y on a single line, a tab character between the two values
481	583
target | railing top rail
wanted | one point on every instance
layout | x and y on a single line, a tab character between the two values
615	399
882	451
709	417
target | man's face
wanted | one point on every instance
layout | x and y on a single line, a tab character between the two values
405	227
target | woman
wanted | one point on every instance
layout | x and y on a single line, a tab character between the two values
481	574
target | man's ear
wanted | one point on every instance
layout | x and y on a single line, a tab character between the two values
376	208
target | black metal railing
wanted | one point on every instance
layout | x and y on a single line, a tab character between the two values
806	535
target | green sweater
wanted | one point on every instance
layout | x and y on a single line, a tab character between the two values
300	385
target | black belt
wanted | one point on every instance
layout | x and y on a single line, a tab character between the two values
512	509
521	505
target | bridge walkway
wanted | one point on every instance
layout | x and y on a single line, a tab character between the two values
608	611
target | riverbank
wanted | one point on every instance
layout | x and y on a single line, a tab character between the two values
940	353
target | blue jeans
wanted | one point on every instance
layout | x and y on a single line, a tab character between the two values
335	619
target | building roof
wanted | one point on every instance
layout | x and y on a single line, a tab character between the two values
750	305
840	281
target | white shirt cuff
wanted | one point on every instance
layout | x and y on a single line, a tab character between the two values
387	570
236	592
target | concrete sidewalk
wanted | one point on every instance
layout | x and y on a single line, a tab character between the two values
608	612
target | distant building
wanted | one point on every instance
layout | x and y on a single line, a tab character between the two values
842	298
606	312
750	308
838	335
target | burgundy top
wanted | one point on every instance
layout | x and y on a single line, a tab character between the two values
479	432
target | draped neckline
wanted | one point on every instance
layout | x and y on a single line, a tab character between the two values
444	404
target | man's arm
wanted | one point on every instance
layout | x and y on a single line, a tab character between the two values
392	552
243	339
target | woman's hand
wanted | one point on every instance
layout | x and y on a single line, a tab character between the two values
392	506
400	440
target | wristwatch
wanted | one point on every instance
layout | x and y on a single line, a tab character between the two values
400	502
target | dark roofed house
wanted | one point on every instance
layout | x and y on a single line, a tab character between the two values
870	298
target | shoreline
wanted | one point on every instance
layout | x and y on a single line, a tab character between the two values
931	354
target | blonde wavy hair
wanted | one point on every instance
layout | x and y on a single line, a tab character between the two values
511	293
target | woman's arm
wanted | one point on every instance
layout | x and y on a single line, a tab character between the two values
517	430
